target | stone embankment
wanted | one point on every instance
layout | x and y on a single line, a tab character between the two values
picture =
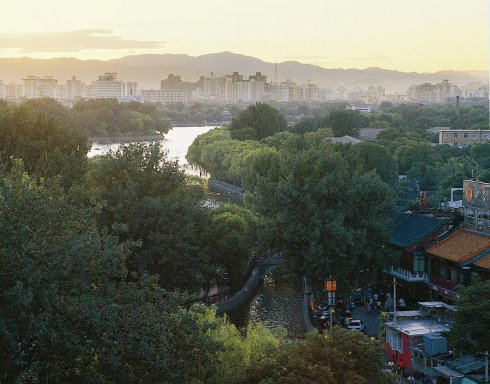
247	290
223	186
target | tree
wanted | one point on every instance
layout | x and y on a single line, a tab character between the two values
240	350
340	356
326	213
375	157
154	203
260	119
47	148
67	311
345	122
229	243
108	117
470	330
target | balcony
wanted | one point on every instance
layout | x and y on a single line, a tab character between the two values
411	277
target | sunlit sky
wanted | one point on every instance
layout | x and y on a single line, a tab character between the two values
409	35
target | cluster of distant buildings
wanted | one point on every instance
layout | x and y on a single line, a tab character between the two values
445	91
34	87
230	89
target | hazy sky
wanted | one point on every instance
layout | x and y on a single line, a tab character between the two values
409	35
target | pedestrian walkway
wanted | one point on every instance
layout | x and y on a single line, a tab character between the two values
371	320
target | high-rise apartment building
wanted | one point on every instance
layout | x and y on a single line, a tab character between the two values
132	89
38	87
107	86
74	88
14	91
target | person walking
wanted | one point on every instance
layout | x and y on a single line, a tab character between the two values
401	303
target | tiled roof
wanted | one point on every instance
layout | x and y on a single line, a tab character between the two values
461	246
411	228
483	263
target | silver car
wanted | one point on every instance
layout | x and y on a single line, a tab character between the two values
356	325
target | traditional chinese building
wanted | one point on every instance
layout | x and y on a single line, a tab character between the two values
410	233
465	252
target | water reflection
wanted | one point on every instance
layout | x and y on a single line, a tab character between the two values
275	306
177	141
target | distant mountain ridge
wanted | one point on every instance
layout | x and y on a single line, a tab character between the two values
149	69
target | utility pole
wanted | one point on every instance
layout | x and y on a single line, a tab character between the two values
394	298
331	320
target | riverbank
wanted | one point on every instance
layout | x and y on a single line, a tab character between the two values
124	139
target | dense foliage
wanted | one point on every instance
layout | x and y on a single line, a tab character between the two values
261	355
470	331
67	311
108	117
257	122
105	117
94	255
150	201
326	205
47	147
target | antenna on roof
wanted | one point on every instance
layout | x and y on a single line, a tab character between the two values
473	165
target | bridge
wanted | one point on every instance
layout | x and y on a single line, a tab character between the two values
226	302
263	265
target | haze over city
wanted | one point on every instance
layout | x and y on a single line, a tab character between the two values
420	35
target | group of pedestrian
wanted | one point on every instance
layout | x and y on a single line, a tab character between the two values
398	367
376	303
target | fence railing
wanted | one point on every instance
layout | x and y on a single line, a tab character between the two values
409	275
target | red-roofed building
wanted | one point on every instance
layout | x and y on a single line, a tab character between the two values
466	251
454	258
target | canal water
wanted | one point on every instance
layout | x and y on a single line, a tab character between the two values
273	304
177	141
277	306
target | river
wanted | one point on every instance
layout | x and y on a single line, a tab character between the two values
177	141
274	305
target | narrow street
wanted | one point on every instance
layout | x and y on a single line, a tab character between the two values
371	320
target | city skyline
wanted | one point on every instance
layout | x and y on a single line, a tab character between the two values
421	36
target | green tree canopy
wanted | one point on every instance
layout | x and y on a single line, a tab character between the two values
470	330
257	122
153	202
341	356
47	147
345	122
67	312
326	213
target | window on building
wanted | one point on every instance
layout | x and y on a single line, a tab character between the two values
453	274
465	135
455	135
418	263
394	340
442	270
475	136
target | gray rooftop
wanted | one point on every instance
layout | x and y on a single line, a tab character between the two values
418	327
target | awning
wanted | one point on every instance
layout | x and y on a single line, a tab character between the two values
467	381
448	372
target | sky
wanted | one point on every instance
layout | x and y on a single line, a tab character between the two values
409	35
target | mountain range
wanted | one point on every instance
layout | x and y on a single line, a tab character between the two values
148	70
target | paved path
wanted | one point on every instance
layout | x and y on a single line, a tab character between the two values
371	320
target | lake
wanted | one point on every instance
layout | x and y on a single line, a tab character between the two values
177	141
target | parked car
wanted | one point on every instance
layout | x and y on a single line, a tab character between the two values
356	325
